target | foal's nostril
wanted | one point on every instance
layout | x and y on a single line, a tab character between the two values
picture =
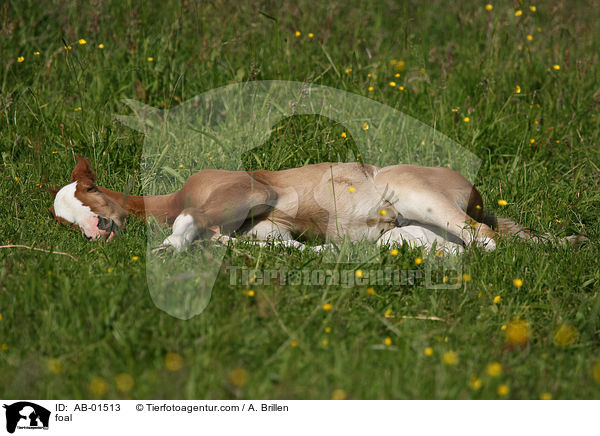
105	223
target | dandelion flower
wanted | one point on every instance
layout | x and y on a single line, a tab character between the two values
238	377
401	88
382	212
36	53
394	252
518	282
98	387
20	59
488	7
82	41
365	126
439	253
493	369
77	109
418	261
173	362
325	342
556	67
343	135
502	203
518	13
298	33
517	332
454	110
466	119
532	8
387	341
135	258
250	293
370	88
475	382
565	335
327	307
517	89
351	189
392	84
545	396
466	277
503	327
101	46
397	75
529	37
150	59
359	273
497	299
348	70
311	35
450	358
293	343
532	140
54	366
428	351
503	390
124	382
388	313
596	372
3	347
338	394
371	291
327	329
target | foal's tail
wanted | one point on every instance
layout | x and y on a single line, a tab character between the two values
508	227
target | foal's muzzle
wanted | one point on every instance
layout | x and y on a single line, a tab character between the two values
107	224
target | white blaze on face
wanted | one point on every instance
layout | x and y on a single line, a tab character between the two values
70	208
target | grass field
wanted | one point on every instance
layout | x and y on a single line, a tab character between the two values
517	85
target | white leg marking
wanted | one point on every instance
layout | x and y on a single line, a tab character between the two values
418	237
184	232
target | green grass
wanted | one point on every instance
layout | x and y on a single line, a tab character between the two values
96	317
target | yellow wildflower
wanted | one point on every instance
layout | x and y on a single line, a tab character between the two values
382	212
466	277
517	89
98	387
36	53
518	13
596	372
135	258
20	59
475	382
124	382
387	341
529	37
371	89
348	70
392	84
338	394
351	189
503	390
388	313
428	351
371	291
565	335
82	41
359	273
517	332
493	369
311	35
502	203
497	299
532	8
54	366
238	377
488	7
418	261
518	282
173	362
150	59
466	119
343	135
327	307
545	396
394	252
293	343
101	46
556	67
450	358
298	33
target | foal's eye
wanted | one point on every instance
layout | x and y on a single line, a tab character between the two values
92	189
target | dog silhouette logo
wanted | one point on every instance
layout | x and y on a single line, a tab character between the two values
26	415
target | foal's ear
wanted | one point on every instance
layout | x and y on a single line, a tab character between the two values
83	170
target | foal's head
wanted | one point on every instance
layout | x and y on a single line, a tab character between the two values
83	204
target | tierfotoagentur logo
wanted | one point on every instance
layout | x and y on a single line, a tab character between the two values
225	123
25	415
